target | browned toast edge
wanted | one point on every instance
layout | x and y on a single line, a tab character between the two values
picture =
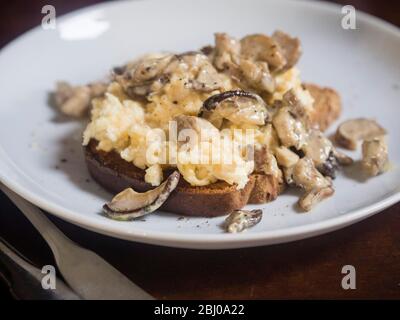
220	198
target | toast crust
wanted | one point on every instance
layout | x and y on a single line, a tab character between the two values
220	198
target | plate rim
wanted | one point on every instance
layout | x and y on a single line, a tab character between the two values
205	241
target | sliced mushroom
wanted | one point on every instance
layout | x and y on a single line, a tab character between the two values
243	110
314	196
201	73
214	118
286	157
118	70
97	89
188	55
291	100
324	155
329	166
201	128
352	131
132	89
290	128
259	47
265	162
150	75
240	220
72	101
271	168
257	75
238	106
288	176
305	175
375	156
316	186
145	76
226	52
75	101
207	79
192	59
342	159
317	147
147	88
290	47
149	69
129	204
208	51
213	101
195	123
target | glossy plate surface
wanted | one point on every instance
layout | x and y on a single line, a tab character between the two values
40	153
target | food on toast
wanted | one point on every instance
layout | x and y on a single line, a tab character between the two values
129	204
219	198
203	133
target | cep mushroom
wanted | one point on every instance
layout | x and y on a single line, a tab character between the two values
290	128
314	196
329	167
288	176
149	69
238	106
259	47
75	101
203	129
352	131
375	156
141	78
256	75
226	52
324	155
317	147
290	47
291	100
129	204
207	79
316	186
240	220
286	157
342	159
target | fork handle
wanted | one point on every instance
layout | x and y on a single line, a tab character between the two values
53	236
24	279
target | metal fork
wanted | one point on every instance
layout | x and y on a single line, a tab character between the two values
89	275
25	280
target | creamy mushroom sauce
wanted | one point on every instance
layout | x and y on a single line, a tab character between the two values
145	95
251	83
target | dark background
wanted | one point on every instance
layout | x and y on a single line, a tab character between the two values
305	269
18	16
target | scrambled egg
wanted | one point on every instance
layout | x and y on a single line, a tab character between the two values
138	131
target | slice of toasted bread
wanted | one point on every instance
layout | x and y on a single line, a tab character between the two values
220	198
327	105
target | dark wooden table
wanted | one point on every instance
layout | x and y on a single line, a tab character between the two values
305	269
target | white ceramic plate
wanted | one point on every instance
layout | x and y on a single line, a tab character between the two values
362	64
